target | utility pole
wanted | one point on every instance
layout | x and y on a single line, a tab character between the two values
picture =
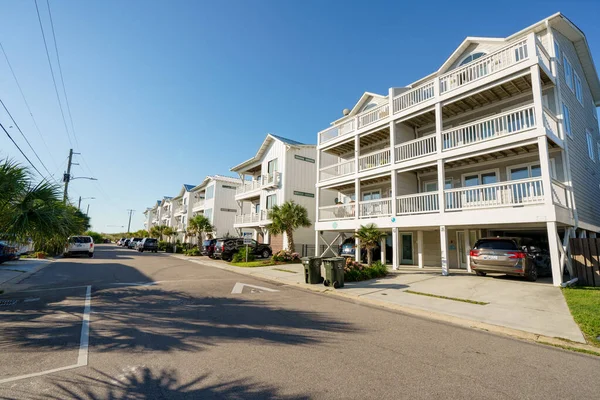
129	224
79	204
67	176
88	210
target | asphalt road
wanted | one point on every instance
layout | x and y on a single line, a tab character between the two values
188	336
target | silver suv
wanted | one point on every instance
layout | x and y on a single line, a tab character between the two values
511	256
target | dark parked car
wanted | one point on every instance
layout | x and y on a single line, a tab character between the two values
147	244
348	249
226	248
7	253
133	242
121	242
208	247
511	256
125	242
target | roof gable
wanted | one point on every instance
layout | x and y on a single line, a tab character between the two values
469	46
269	140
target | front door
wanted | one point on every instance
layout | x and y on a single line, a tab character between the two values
406	246
460	242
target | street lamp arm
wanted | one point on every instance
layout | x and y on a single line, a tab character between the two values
84	177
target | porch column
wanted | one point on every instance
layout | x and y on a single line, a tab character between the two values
467	249
545	169
557	277
420	249
317	243
444	250
438	128
357	249
394	194
441	177
395	248
383	250
356	199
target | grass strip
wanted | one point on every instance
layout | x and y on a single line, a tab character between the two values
253	264
285	270
480	303
570	348
584	304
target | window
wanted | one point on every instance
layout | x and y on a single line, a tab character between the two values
185	201
208	214
372	195
183	220
594	111
432	186
578	90
590	144
567	120
470	58
557	51
568	72
257	208
210	192
272	166
271	201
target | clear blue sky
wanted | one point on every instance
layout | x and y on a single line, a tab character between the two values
166	92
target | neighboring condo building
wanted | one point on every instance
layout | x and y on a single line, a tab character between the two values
281	170
181	212
502	140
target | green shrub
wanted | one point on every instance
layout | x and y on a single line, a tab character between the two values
286	256
95	236
240	256
355	271
162	245
194	251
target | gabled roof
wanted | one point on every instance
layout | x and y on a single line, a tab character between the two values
184	188
222	178
359	105
263	148
463	46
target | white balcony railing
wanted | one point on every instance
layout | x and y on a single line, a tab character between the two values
415	148
247	218
337	130
248	186
414	96
511	193
484	66
271	180
507	123
336	170
420	203
375	208
375	159
376	114
551	123
198	204
339	211
560	196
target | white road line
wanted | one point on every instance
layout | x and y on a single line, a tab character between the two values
82	360
30	300
239	287
33	375
134	283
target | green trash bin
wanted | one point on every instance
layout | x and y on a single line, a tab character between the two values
334	271
312	269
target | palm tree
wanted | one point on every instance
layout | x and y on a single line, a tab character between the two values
169	232
198	225
158	231
286	219
369	237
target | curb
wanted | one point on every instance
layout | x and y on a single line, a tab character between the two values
432	315
8	286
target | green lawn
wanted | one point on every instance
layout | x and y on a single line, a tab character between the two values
252	264
584	303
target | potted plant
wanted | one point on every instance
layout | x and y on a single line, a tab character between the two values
40	255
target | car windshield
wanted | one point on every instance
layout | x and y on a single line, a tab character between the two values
207	243
150	240
495	244
81	239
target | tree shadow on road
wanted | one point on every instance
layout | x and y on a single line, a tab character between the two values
163	384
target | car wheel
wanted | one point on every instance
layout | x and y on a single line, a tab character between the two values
90	255
266	254
532	275
480	273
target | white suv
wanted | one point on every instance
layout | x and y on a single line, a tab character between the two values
79	245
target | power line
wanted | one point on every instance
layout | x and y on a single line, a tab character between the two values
27	105
15	143
26	140
52	73
61	74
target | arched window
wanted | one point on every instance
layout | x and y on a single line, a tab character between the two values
369	106
470	58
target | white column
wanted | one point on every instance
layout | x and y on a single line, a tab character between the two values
467	249
395	249
536	88
394	194
356	200
357	249
383	250
317	244
420	249
545	169
444	250
554	253
438	128
441	181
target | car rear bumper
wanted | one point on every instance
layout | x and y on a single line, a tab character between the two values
79	252
517	270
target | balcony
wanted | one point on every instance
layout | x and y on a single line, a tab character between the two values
419	203
504	194
198	205
375	208
248	186
336	170
252	218
271	180
360	121
375	159
415	148
339	211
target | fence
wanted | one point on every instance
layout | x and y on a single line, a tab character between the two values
584	258
308	250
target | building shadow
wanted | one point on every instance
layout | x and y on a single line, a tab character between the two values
161	384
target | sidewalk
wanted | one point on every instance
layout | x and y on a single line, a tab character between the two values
515	307
12	272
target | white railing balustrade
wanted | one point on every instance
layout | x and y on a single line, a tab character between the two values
511	193
419	203
543	55
337	130
338	211
415	148
375	208
247	218
376	159
484	66
374	115
271	179
509	122
198	203
551	123
248	186
560	196
336	170
414	96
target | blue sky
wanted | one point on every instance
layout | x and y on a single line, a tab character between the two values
166	92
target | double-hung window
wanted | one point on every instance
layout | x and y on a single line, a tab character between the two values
567	120
557	51
590	144
578	88
271	201
568	72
